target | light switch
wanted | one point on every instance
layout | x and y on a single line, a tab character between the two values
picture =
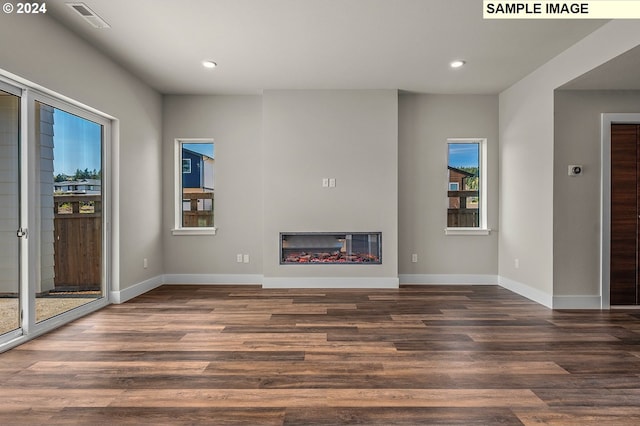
332	183
325	182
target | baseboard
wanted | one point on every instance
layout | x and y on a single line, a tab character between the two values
121	296
213	279
577	302
554	302
330	282
526	291
448	279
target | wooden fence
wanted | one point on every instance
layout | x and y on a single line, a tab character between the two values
462	216
77	242
194	217
465	218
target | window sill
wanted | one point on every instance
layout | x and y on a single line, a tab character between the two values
467	231
194	231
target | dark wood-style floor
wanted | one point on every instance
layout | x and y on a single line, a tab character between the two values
242	355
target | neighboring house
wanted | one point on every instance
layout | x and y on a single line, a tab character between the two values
457	182
84	186
197	171
197	176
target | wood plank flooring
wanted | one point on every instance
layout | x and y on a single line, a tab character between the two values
467	355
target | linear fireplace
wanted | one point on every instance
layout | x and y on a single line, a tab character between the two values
334	248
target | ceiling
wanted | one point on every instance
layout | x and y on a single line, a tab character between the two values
620	73
320	44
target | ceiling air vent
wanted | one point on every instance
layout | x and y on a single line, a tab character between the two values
89	15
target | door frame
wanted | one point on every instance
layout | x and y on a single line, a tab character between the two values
29	208
606	120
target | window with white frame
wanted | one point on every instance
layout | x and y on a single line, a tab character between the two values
466	186
194	182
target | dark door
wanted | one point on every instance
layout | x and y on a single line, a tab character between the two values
624	214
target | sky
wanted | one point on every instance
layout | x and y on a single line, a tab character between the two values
463	155
76	143
200	148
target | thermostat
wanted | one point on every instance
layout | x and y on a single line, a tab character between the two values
575	170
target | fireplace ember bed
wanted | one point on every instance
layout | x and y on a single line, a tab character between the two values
330	248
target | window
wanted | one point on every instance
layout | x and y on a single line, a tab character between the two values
195	162
466	183
186	165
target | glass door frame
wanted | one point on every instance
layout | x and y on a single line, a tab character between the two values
29	182
18	92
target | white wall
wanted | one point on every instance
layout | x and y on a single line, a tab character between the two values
576	206
38	49
351	136
527	159
425	123
234	123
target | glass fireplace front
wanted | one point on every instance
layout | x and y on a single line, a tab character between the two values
336	248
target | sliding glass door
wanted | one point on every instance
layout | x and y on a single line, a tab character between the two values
71	220
54	217
10	306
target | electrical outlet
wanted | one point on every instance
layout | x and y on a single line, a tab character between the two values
239	258
516	263
145	263
414	258
245	258
325	182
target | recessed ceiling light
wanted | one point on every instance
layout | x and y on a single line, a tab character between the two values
209	64
457	64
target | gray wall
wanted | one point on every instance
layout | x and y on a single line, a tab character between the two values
273	151
425	123
40	50
576	200
527	150
234	123
351	136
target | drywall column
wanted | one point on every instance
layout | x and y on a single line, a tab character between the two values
347	135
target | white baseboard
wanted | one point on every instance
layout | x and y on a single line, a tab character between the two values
526	291
577	302
448	279
213	279
330	282
553	302
121	296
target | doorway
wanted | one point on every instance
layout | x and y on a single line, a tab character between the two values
625	214
54	211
